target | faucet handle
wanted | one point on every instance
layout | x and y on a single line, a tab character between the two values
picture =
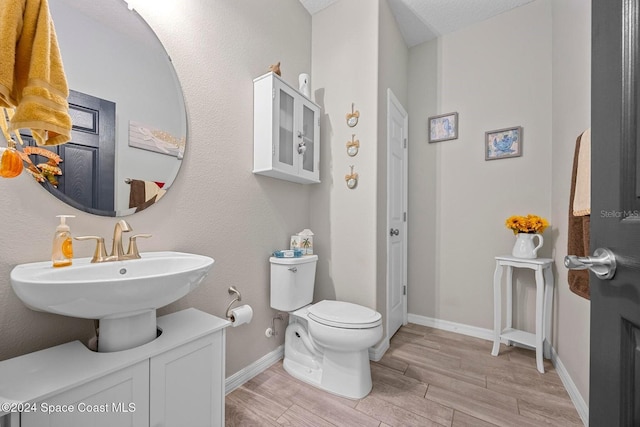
100	254
133	246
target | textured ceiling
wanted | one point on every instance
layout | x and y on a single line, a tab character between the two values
423	20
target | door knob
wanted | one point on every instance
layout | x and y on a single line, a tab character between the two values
394	232
602	263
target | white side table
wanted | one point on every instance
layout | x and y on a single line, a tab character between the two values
544	300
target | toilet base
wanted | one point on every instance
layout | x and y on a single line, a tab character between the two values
302	372
346	374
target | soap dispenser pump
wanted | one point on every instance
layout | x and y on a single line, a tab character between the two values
62	251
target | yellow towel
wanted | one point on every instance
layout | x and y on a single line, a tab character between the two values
582	196
32	78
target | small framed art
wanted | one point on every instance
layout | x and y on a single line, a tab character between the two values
503	143
443	127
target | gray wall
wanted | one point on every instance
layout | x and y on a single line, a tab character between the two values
345	59
393	63
354	64
216	206
529	67
571	116
495	74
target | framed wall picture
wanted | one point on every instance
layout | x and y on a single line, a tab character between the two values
503	143
443	127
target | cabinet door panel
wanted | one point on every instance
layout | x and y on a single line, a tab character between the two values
308	138
285	129
187	384
119	399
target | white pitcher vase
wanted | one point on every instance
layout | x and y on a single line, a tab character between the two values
524	247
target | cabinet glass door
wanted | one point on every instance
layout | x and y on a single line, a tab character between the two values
285	139
308	137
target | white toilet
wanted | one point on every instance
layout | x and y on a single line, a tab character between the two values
326	344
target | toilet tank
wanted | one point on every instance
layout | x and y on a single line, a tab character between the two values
292	282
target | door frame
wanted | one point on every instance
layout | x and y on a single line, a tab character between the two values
392	99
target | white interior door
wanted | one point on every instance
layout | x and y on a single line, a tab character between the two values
397	127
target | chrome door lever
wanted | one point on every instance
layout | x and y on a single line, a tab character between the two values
602	263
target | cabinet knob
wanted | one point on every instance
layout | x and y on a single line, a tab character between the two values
302	148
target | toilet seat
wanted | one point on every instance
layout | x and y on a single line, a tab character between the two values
345	315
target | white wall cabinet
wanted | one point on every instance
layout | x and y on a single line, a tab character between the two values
175	380
286	132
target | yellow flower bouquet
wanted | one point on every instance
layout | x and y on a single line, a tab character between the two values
530	224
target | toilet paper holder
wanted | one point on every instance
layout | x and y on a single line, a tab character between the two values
233	291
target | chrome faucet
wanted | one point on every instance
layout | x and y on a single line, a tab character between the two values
117	250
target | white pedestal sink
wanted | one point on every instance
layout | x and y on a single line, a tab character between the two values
123	295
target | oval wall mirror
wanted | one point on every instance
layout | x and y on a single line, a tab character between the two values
127	108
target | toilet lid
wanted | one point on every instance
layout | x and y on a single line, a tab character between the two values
346	315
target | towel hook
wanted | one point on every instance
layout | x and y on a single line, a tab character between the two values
233	291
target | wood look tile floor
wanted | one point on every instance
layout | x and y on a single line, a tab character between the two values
428	377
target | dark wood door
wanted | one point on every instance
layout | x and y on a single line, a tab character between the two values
614	397
87	180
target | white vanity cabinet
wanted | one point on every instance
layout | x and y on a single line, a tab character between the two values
117	399
187	384
175	380
286	132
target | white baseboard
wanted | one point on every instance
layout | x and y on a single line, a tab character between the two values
446	325
376	352
260	365
570	386
487	334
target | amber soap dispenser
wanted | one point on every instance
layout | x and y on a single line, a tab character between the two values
62	252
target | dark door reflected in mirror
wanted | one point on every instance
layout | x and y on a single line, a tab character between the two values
127	108
87	180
